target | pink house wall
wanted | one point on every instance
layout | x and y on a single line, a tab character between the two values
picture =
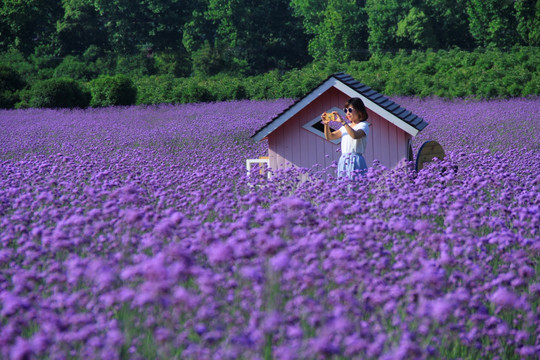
389	144
291	144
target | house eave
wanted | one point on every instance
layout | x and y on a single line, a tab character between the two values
376	108
281	119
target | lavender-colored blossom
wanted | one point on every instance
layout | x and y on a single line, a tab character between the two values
12	303
252	273
526	271
125	224
325	346
219	253
271	322
504	298
21	350
280	261
441	309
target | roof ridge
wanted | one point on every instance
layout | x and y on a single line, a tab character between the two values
369	93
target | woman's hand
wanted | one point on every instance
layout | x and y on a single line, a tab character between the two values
339	118
335	117
328	133
325	118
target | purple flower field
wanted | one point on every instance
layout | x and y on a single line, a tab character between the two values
135	233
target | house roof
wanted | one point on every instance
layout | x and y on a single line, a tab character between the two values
376	102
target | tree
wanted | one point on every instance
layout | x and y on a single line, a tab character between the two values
383	19
312	14
450	24
200	40
10	82
6	37
436	24
493	23
152	25
338	28
199	31
528	18
127	23
417	28
415	24
168	20
80	28
249	36
30	23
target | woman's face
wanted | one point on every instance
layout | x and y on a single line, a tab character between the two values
353	115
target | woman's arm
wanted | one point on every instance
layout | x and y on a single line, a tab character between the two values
355	134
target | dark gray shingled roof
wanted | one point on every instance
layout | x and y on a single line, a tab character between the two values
400	112
414	120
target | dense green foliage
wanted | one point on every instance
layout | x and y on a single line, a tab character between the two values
162	51
207	37
58	93
244	37
448	74
76	69
112	90
10	83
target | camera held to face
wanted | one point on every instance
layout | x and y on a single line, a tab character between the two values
330	116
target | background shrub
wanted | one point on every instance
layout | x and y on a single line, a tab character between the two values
156	89
174	64
73	68
481	73
265	86
17	61
225	87
136	65
10	83
112	90
190	91
58	93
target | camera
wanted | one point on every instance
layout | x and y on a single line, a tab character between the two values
330	116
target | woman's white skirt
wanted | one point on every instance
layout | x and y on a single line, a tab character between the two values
351	165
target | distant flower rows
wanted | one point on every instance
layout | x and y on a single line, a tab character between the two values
134	233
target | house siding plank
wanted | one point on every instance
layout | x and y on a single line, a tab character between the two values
393	154
304	141
282	148
294	141
329	155
313	140
382	142
272	155
404	145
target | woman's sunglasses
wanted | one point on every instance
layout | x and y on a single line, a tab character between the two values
348	109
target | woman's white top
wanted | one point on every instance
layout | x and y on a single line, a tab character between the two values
348	144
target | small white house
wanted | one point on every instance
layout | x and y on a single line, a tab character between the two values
296	138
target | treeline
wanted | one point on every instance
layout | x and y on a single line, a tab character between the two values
76	53
445	73
207	37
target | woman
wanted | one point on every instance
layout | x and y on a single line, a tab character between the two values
353	137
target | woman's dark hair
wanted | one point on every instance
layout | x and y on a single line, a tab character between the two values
358	104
